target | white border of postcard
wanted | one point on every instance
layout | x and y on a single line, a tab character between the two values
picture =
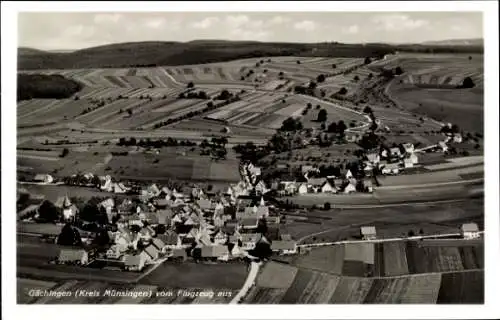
492	284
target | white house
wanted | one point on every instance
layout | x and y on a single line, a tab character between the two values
284	246
73	256
373	158
470	231
457	137
44	178
302	188
443	146
350	188
327	187
409	147
368	233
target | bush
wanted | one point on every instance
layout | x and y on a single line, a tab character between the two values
327	206
64	153
468	83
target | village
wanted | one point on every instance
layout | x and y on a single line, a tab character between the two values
153	224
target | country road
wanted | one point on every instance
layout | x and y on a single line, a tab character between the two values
249	282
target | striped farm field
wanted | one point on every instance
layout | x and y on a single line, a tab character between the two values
276	275
395	262
464	287
421	289
304	286
351	290
326	259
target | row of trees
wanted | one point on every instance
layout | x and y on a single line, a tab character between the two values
159	143
210	106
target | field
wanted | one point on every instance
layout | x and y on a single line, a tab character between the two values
395	258
313	287
428	87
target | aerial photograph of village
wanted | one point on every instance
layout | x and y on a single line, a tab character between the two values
250	158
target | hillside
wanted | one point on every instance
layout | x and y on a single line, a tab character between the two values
456	42
140	54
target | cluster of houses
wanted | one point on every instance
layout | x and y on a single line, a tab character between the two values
170	224
331	184
393	160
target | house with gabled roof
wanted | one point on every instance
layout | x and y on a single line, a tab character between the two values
220	237
368	233
170	239
249	223
114	252
73	256
152	252
284	246
215	252
470	231
249	240
43	178
135	262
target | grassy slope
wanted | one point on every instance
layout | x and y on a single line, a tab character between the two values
176	53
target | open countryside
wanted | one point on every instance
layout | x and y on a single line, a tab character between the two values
323	173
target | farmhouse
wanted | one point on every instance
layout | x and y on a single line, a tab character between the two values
470	231
368	233
409	147
113	252
152	252
302	188
349	188
390	168
284	246
395	152
249	223
351	136
43	178
373	158
73	256
215	252
135	262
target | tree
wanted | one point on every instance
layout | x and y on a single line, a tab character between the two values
470	58
398	71
64	152
312	85
334	66
332	127
298	61
129	111
291	124
327	206
468	83
342	91
190	85
93	214
320	78
356	78
48	212
368	60
318	107
411	233
368	110
69	236
309	105
102	238
341	127
370	75
322	115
